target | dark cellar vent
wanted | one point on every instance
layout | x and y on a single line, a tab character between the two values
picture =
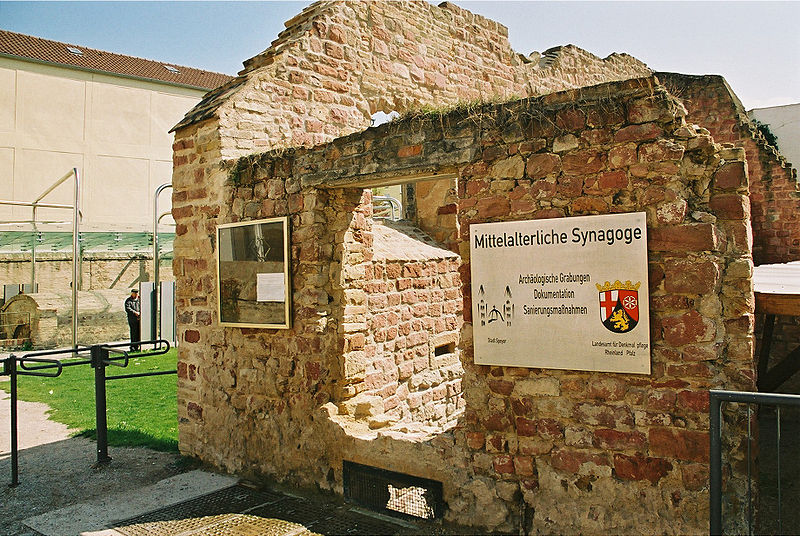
392	493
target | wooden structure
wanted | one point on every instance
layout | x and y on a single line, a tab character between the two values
777	292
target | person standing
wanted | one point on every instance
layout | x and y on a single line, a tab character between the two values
133	310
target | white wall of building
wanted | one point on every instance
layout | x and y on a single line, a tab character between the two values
784	122
113	129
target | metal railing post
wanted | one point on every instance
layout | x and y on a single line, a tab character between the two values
76	212
155	324
715	469
99	356
10	365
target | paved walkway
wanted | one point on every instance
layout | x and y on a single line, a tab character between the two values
143	492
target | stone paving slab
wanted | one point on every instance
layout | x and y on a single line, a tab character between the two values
89	518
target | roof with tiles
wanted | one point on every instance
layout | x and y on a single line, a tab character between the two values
21	46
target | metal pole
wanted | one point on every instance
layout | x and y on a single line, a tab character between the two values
715	467
156	325
33	251
99	356
75	253
36	204
12	361
56	184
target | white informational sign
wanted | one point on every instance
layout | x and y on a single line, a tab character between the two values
566	293
270	287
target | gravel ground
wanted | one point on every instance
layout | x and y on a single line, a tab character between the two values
56	470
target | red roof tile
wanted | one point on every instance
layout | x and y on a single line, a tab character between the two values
38	49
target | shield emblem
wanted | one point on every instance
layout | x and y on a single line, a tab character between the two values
619	309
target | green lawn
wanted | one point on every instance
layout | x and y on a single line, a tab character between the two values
140	411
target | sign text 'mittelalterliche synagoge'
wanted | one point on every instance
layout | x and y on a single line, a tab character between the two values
567	293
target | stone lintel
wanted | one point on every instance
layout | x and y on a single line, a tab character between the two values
383	178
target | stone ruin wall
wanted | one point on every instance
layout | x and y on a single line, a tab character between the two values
536	450
774	190
400	347
337	63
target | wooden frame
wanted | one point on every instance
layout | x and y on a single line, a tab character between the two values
253	267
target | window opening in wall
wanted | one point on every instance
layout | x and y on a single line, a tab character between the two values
392	493
444	349
386	203
381	117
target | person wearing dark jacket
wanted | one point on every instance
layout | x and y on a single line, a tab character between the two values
133	310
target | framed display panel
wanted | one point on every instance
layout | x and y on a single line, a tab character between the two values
253	287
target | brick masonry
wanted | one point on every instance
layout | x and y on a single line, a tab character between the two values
517	449
337	63
774	190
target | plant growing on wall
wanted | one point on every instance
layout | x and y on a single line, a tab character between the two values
763	128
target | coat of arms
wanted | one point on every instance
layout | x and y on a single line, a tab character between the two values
619	305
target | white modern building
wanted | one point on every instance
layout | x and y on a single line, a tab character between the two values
784	123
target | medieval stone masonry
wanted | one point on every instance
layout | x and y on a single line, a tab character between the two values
378	366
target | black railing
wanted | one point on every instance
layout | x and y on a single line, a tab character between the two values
717	398
36	364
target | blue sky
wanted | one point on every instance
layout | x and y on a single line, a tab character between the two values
755	45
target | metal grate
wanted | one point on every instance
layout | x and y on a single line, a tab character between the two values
241	510
392	493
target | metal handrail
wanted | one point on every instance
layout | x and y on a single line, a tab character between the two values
394	204
716	398
25	365
76	216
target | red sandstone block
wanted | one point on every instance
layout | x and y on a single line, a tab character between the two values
571	119
543	189
694	476
731	206
542	165
570	461
607	389
547	213
584	205
644	110
194	411
492	207
731	176
497	422
688	237
612	180
643	132
475	440
409	150
581	162
570	186
503	464
191	336
605	438
696	276
596	136
523	465
679	444
659	151
694	400
182	212
611	114
641	468
661	400
688	328
501	387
